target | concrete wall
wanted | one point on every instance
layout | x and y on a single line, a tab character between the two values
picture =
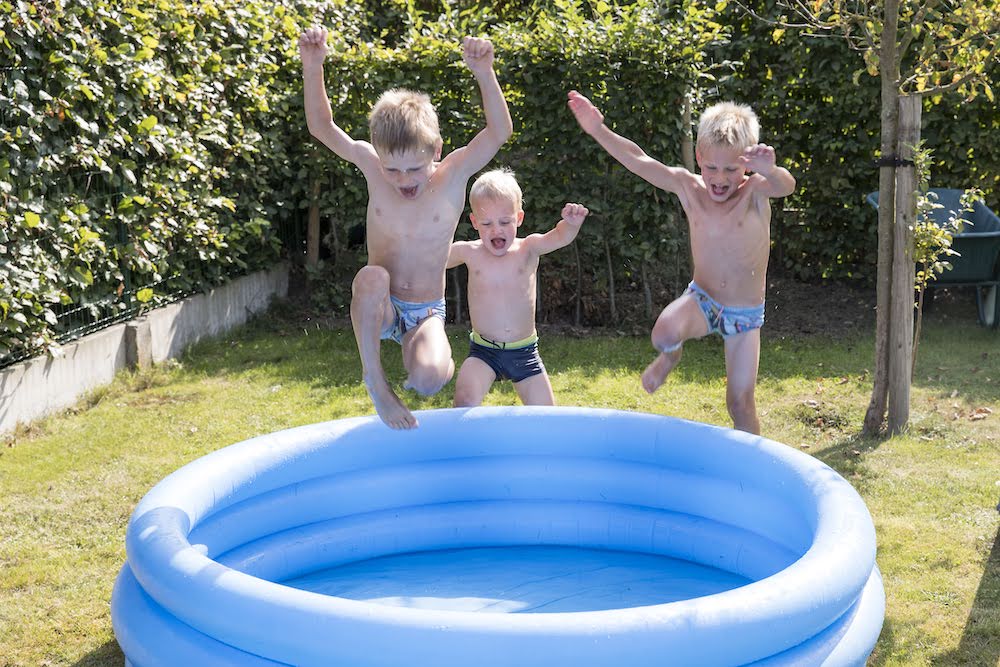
42	385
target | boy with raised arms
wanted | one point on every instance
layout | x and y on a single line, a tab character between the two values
503	344
729	215
415	200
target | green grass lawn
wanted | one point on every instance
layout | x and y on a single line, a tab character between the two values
69	483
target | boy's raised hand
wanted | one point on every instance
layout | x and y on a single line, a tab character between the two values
759	158
574	214
587	115
312	46
477	52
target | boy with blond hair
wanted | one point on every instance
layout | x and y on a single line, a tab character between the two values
415	200
729	215
502	270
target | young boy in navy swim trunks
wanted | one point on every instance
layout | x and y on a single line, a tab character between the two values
502	267
415	200
729	214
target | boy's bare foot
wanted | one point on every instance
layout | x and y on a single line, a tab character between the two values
388	406
657	371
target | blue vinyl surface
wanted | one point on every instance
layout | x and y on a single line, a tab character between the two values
608	537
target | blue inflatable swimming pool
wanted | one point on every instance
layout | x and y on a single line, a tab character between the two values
501	536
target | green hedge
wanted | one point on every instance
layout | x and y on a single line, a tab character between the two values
144	152
149	149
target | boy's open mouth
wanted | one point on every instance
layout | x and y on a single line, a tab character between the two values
410	192
498	243
720	190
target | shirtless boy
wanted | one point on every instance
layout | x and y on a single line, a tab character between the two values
729	215
415	200
502	268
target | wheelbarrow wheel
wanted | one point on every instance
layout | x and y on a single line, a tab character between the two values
989	308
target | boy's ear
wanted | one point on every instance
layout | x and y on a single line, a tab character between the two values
472	218
437	150
520	217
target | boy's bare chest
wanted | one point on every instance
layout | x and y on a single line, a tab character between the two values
514	271
735	221
413	226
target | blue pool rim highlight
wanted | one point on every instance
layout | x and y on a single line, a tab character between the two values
206	544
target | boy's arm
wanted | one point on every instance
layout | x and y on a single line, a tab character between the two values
457	253
562	234
312	49
624	150
478	56
771	180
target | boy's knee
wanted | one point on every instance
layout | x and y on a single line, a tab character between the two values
741	401
426	386
428	381
665	341
464	399
370	279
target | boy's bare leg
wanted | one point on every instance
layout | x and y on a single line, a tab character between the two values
679	321
742	361
536	390
474	380
370	308
427	357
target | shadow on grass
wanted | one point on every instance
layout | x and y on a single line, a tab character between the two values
847	457
108	654
980	643
886	640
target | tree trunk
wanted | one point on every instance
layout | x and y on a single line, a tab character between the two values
687	141
647	292
611	283
312	234
889	64
901	331
456	285
578	310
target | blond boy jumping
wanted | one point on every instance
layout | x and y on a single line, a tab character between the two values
729	215
502	268
415	200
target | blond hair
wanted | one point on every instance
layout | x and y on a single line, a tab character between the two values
403	120
496	185
728	124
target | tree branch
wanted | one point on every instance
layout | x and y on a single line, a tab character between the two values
965	78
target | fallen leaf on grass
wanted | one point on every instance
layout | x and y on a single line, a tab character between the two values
980	413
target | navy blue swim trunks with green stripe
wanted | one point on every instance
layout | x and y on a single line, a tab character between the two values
514	361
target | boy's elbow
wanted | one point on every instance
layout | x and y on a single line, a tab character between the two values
790	186
504	131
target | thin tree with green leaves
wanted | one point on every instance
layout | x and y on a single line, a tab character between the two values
918	49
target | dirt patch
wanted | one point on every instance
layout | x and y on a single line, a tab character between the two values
833	309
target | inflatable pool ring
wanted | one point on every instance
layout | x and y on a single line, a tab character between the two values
214	551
